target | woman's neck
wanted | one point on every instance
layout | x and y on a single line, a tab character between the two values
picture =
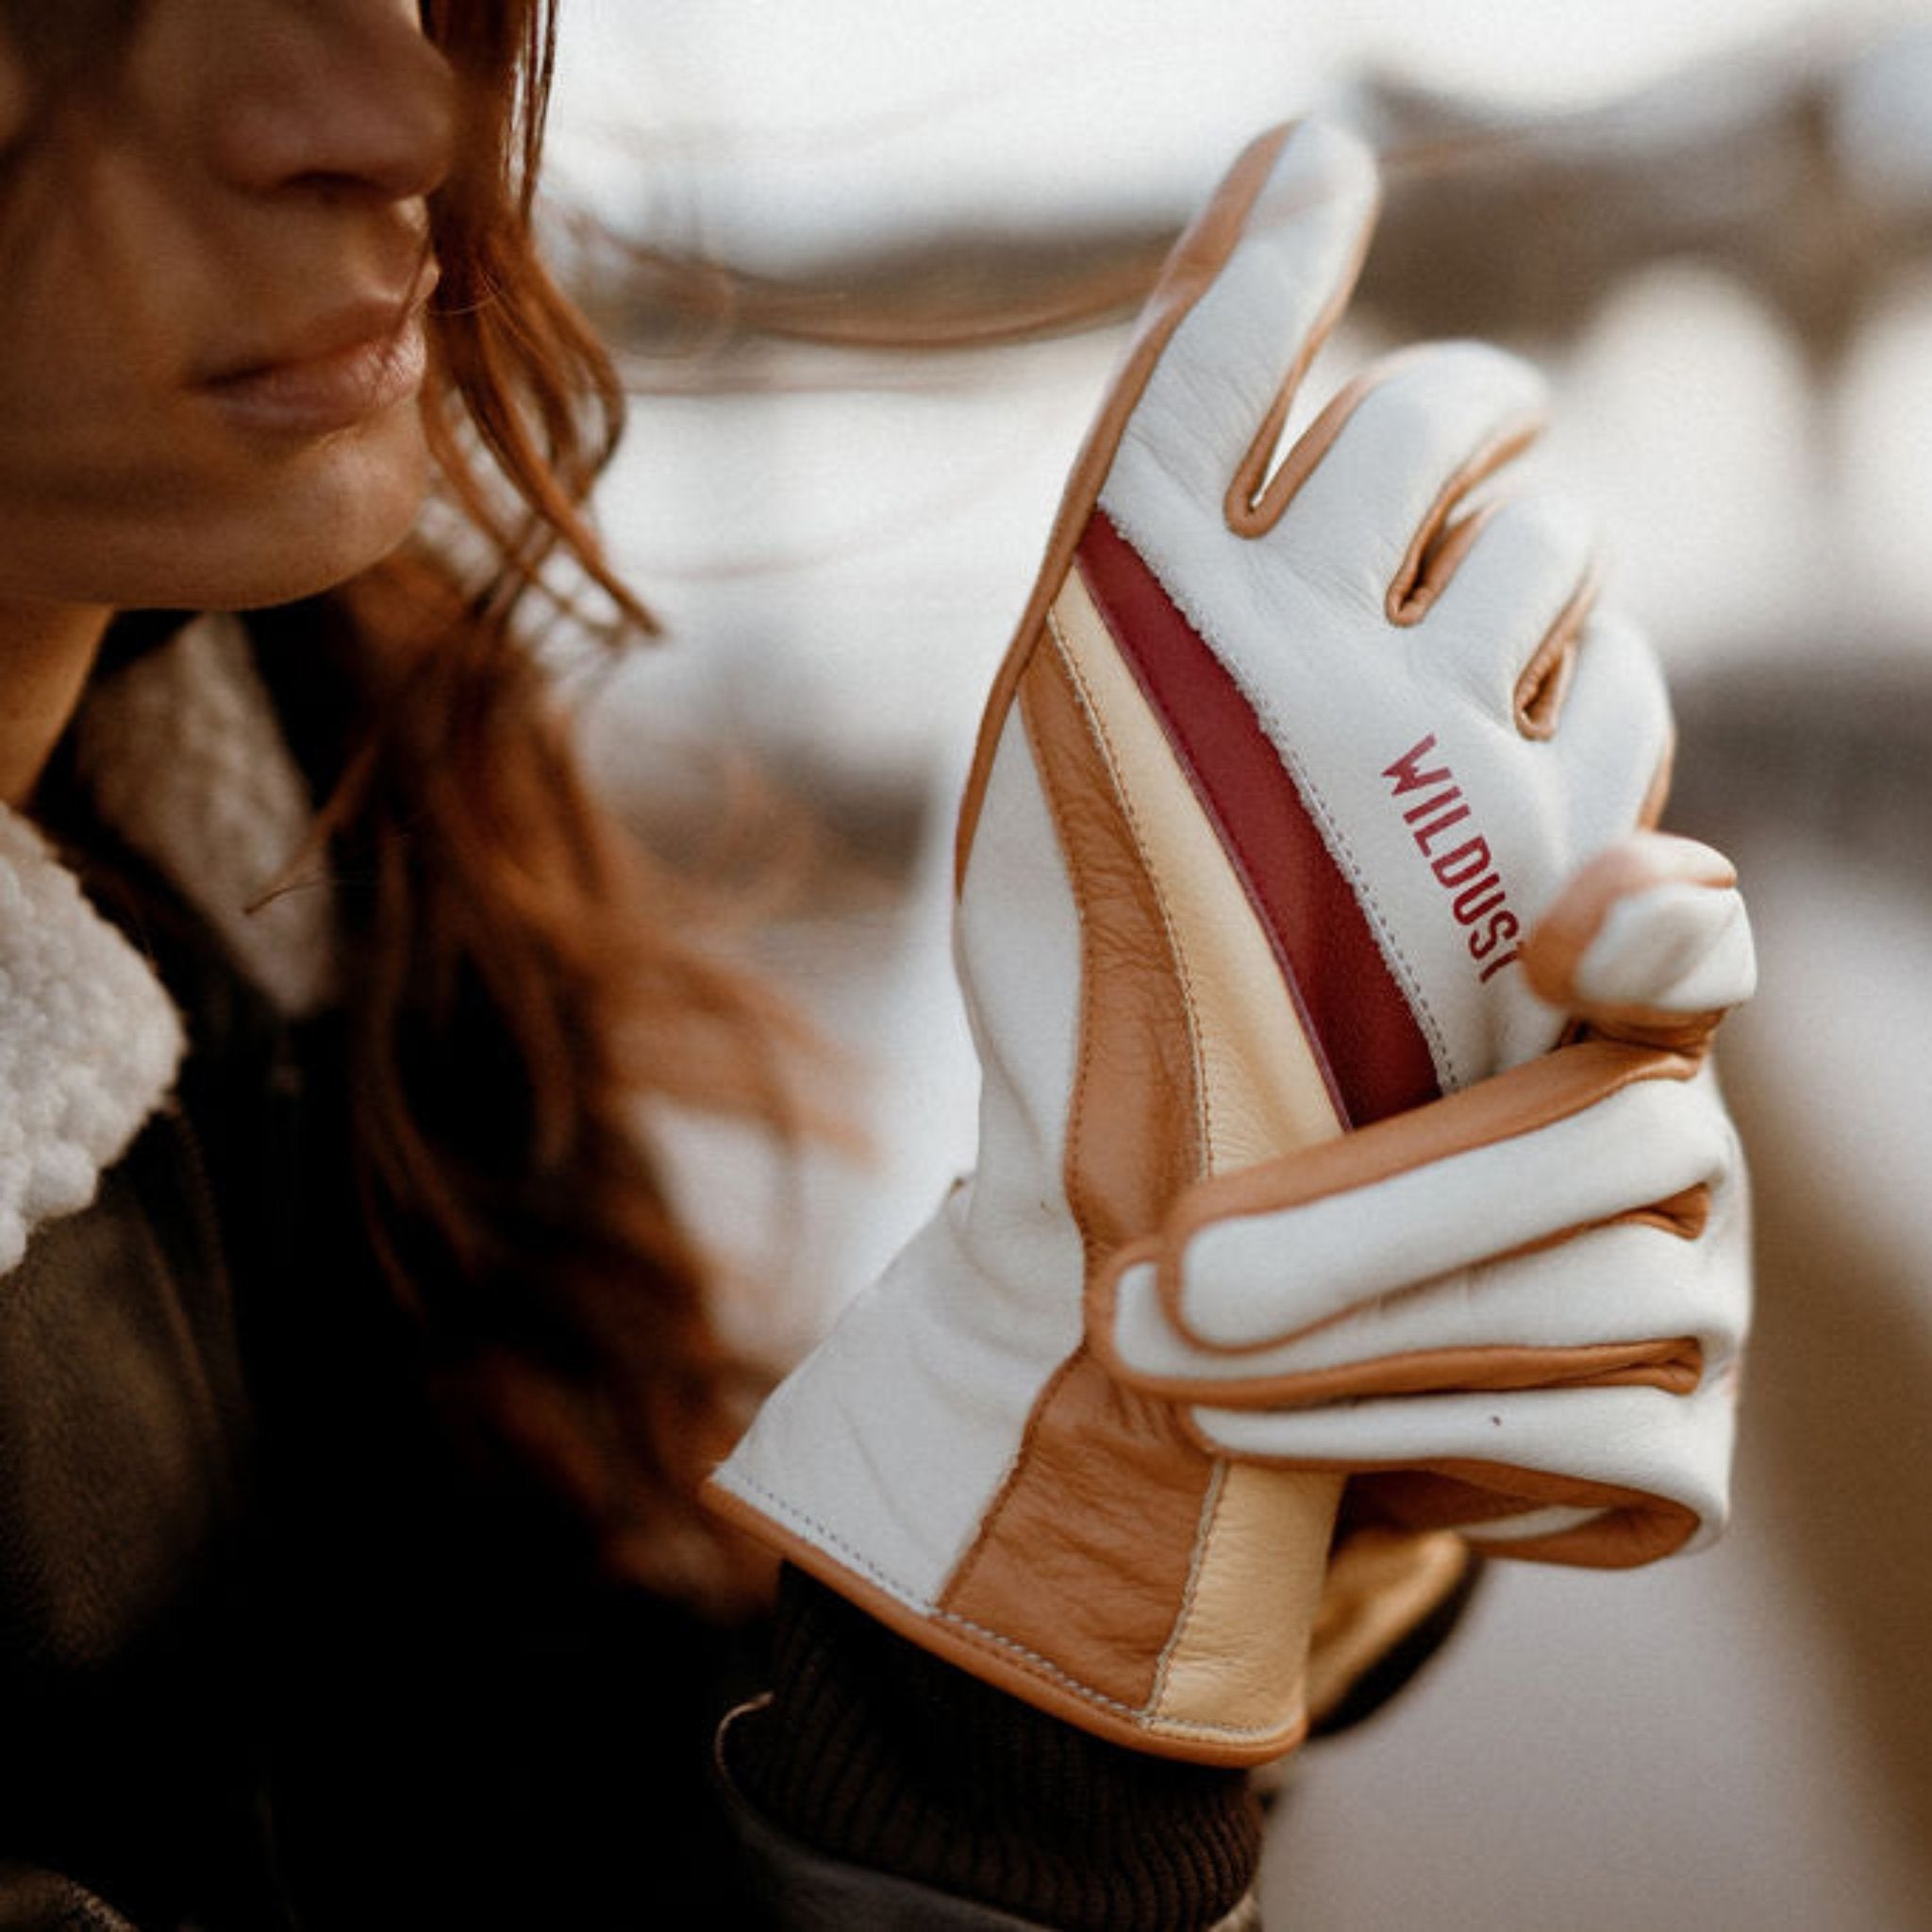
46	652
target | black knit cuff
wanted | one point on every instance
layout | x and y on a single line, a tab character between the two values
874	1751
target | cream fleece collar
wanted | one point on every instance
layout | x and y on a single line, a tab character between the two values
88	1041
186	763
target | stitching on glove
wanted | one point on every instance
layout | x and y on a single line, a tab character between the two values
823	1536
1650	813
1254	690
964	1567
1141	1714
1203	1532
1357	1021
1239	666
1370	903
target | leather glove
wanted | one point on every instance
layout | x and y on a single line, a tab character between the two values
1528	1298
1281	768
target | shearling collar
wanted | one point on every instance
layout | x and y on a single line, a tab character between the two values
185	761
88	1041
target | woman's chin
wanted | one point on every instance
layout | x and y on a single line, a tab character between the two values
345	507
236	538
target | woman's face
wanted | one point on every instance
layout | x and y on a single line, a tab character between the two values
212	273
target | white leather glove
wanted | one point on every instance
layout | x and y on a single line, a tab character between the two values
1528	1298
1277	777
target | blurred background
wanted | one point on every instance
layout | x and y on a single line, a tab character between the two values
868	261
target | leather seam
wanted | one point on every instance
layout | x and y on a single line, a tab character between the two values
1204	1123
1204	1533
1177	952
987	1638
1202	252
1051	670
1254	690
1677	1360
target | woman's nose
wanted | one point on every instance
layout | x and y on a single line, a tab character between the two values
336	94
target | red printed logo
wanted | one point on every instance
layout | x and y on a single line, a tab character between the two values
1458	855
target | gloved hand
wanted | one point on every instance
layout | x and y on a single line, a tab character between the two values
1281	769
1528	1298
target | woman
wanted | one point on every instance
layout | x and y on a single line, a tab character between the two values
358	1380
330	1423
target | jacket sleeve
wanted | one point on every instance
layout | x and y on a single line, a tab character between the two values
878	1786
122	1664
875	1787
35	1900
805	1890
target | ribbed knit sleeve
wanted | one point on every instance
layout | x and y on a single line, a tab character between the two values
874	1751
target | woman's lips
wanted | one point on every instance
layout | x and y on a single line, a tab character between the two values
316	394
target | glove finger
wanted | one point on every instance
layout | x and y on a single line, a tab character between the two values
1612	742
1627	1301
1650	941
1247	299
1368	489
1504	602
1509	1513
1661	1457
1565	1143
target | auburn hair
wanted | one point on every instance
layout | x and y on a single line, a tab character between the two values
518	988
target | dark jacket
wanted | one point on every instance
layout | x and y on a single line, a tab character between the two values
273	1654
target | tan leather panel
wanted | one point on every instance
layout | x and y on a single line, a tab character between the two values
991	1657
1263	1094
1238	1657
1381	1584
1087	1552
1135	1139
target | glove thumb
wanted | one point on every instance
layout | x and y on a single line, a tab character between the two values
1648	942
